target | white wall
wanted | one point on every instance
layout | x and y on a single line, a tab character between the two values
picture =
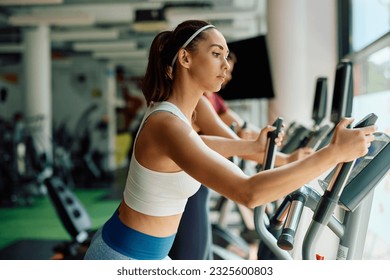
302	42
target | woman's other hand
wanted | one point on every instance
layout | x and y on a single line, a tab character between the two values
351	143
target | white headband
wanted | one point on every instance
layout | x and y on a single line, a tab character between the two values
189	40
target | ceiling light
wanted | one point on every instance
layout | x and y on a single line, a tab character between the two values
141	53
149	26
11	48
52	19
84	35
30	2
177	15
105	46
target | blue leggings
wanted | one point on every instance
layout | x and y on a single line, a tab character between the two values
116	241
193	239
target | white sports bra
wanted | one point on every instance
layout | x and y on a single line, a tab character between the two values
157	193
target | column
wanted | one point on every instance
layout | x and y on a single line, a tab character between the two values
37	77
286	38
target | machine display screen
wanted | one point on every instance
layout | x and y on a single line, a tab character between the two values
381	140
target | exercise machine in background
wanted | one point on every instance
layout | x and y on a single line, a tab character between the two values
298	136
74	218
348	188
342	100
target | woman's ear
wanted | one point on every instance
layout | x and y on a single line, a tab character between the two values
184	58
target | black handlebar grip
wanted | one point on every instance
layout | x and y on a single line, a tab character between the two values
271	147
368	120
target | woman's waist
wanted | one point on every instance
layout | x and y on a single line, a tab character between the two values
158	226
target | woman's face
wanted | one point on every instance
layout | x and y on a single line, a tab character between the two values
209	67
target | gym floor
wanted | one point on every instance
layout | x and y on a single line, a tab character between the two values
31	232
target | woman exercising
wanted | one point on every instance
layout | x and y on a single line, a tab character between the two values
170	160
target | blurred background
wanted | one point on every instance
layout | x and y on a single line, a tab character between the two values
70	98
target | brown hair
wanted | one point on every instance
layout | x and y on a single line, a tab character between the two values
158	80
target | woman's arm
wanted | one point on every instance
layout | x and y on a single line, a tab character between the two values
282	158
191	154
230	117
238	147
209	123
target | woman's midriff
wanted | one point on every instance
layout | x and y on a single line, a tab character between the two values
152	225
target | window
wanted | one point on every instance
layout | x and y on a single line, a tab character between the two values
368	32
370	21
